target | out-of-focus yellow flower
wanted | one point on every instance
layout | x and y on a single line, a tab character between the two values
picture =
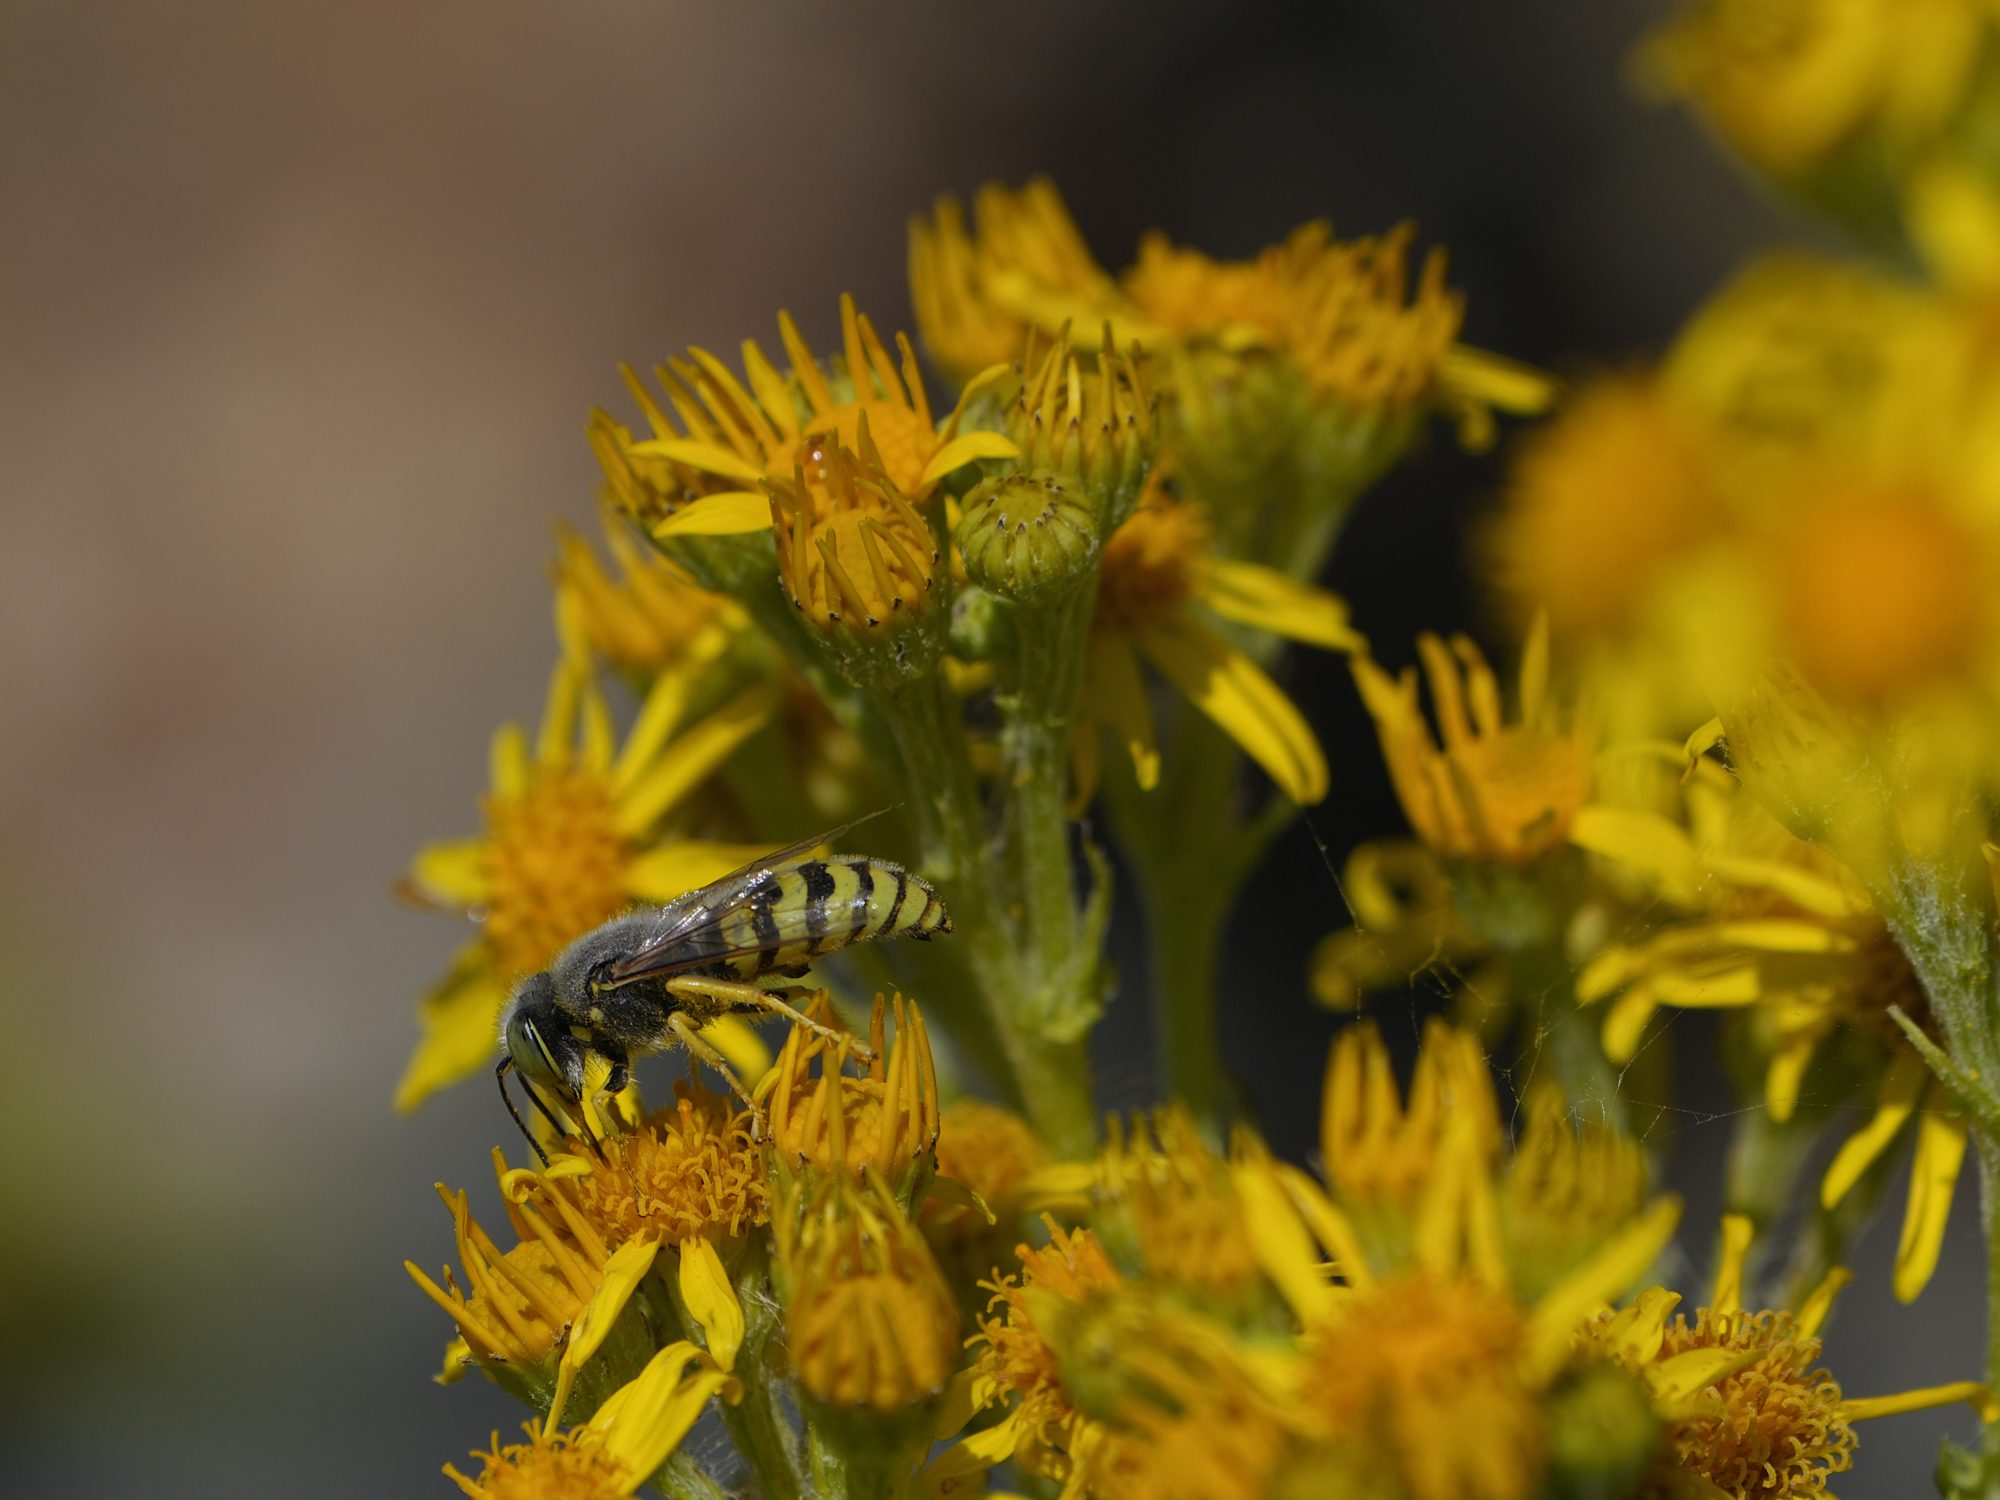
1043	1429
750	436
991	1156
1602	498
578	828
869	1319
1342	314
883	1119
1493	789
1748	1408
1405	922
1437	1364
1156	569
622	1446
1780	928
1791	83
644	615
1563	1190
1167	1209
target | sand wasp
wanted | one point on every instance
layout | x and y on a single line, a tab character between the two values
657	975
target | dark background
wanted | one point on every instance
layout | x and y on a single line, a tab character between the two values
301	308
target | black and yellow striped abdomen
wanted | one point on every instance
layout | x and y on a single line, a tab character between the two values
799	911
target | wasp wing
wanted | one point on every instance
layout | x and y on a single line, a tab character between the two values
662	955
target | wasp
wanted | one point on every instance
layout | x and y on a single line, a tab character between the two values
657	975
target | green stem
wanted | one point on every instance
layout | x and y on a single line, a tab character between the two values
1049	1063
758	1426
681	1478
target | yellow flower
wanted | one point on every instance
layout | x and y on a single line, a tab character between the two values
1493	790
1167	1208
753	435
993	1173
622	1446
1790	83
1748	1408
1564	1189
883	1119
860	565
1599	501
1155	570
1016	1364
644	615
688	1180
576	832
1405	922
977	296
1439	1365
869	1319
1335	312
1783	930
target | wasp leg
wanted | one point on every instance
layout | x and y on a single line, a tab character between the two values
732	997
703	1050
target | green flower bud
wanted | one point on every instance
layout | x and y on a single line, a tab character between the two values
1027	536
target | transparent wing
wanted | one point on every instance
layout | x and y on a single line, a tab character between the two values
659	957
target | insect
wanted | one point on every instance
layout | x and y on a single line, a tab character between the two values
658	974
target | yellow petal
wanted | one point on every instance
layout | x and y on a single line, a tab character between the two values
629	1265
1609	1272
673	869
1235	692
707	458
507	770
737	1040
1789	1060
1332	1228
1636	1333
690	760
452	872
643	1422
1975	1395
1646	842
1933	1177
1625	1023
728	514
1812	1312
1118	700
1895	1100
558	731
659	715
460	1020
1280	1241
967	448
1269	600
1737	1232
1684	1375
711	1299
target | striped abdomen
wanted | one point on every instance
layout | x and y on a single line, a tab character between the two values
799	911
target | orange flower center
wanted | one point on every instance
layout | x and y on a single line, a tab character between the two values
556	865
565	1466
1429	1368
1880	594
689	1169
1151	566
1530	786
1779	1431
902	438
1020	1361
1599	502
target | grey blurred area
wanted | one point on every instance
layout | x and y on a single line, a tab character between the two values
301	310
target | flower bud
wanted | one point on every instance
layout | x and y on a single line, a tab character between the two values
1027	536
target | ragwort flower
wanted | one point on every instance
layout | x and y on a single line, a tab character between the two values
644	615
1748	1409
1156	569
577	830
623	1445
748	436
1778	929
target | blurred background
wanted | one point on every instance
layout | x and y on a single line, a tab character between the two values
301	310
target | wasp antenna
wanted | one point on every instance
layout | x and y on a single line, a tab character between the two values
500	1076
